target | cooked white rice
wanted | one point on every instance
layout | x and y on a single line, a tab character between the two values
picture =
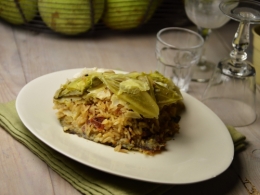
103	121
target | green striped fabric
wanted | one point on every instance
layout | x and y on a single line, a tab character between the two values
83	178
238	138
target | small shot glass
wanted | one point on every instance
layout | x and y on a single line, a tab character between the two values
178	50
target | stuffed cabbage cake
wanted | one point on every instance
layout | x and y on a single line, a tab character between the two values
134	111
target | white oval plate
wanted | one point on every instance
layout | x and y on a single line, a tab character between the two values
202	150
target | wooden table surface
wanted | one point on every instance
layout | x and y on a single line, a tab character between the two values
26	55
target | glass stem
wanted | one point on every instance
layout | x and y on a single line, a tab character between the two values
204	32
240	44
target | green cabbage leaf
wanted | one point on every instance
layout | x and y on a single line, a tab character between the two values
144	93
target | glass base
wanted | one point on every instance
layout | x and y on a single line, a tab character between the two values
242	10
232	112
202	72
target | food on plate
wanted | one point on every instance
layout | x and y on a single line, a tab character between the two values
18	12
124	15
132	111
71	17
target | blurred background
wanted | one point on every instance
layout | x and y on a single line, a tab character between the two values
84	17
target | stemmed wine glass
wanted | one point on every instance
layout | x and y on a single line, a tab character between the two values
231	91
205	14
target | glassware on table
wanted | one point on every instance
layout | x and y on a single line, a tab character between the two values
205	14
231	91
177	51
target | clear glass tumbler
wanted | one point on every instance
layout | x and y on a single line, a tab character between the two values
178	50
